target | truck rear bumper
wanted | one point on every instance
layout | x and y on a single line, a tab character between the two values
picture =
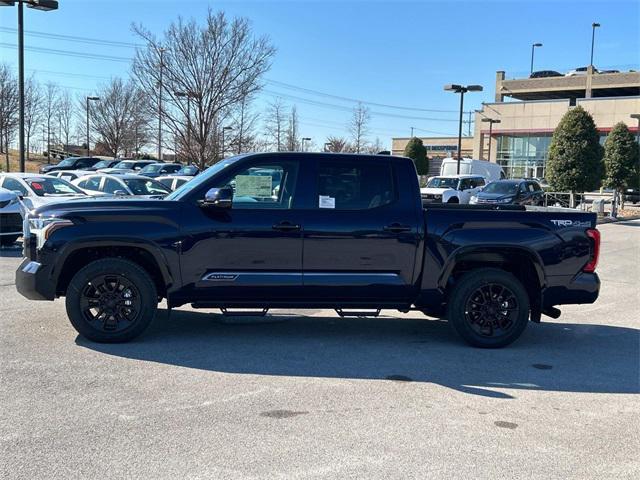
583	288
33	281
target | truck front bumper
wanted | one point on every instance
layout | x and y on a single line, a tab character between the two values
33	281
583	288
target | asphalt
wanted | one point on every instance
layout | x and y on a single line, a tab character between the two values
306	395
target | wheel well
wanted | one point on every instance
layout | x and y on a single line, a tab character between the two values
518	263
82	257
453	200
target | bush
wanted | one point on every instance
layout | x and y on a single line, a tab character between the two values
575	154
416	150
620	158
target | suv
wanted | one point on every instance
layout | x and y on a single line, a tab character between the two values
452	189
71	163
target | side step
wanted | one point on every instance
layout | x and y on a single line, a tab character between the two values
357	313
244	313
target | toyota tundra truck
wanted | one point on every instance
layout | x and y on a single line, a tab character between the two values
308	230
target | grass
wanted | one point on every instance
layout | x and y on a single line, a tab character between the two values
32	165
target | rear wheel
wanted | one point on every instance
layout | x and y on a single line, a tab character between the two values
111	300
489	308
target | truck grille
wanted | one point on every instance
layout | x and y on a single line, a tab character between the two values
429	197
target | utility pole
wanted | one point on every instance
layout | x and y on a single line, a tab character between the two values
161	51
412	132
469	124
92	99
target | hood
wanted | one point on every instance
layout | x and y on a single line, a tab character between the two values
102	204
494	196
7	195
434	191
48	168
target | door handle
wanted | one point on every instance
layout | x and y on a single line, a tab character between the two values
286	227
397	228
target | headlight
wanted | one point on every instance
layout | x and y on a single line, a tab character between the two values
506	200
473	199
43	227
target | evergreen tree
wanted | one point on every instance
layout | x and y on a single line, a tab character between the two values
416	150
620	158
575	154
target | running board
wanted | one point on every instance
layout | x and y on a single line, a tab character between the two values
357	313
244	313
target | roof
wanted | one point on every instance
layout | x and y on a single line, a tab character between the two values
121	176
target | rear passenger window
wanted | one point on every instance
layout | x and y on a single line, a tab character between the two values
92	183
354	185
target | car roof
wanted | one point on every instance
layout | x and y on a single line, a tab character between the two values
25	175
462	175
122	176
179	177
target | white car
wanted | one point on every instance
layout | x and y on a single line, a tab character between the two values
11	216
37	190
452	188
576	72
173	181
70	175
121	185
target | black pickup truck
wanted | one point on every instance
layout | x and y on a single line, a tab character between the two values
308	230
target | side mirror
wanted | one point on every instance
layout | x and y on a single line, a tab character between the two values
120	193
218	197
19	194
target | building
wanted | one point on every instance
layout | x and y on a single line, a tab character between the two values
437	149
520	141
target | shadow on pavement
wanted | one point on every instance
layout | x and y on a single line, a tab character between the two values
549	356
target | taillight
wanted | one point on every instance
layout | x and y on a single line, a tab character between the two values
594	235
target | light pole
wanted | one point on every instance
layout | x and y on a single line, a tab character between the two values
161	53
533	47
593	36
461	89
302	140
637	117
412	131
223	130
93	99
44	5
491	121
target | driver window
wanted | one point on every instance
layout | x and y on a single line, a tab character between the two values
111	186
523	188
267	185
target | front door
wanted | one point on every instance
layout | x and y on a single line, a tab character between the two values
252	252
359	237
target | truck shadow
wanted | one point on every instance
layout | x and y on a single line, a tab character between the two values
549	357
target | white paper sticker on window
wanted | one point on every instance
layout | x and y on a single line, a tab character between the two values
253	186
326	201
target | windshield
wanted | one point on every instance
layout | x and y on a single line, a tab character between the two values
67	162
504	188
128	165
202	178
188	171
152	168
103	164
52	186
440	182
140	186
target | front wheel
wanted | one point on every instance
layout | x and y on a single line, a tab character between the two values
488	308
111	300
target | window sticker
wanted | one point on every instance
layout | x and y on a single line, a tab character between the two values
325	201
253	186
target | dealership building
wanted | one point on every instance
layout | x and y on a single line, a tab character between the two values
526	112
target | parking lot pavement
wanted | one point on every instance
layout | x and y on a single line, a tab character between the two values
313	396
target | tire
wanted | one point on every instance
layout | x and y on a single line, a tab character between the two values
8	240
488	308
97	297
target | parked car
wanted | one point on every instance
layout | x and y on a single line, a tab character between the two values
10	217
127	166
490	171
452	188
173	181
120	185
108	163
188	171
38	190
632	195
579	71
69	175
610	71
545	74
154	170
345	232
512	192
70	163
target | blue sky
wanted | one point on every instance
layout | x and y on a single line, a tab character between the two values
394	53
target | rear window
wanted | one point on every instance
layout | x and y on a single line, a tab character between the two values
52	186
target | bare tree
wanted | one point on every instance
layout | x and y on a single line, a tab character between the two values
8	109
217	64
33	100
50	101
375	147
359	127
64	115
113	118
275	124
244	125
337	144
292	130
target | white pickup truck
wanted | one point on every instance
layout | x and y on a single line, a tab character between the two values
452	188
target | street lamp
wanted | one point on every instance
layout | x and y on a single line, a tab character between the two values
223	130
44	5
491	121
461	89
302	140
637	117
533	47
593	36
93	99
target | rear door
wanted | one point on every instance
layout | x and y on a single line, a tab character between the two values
360	235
